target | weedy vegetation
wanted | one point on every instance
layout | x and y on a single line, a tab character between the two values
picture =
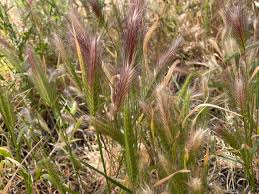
134	96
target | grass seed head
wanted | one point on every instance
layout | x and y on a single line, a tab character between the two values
82	35
169	55
31	58
240	91
94	59
97	8
89	46
195	185
145	190
132	32
195	140
236	18
121	88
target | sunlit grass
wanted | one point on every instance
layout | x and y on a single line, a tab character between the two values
129	97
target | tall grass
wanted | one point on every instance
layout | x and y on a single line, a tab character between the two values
103	67
241	86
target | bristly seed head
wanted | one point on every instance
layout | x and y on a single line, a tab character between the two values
94	60
163	100
4	43
80	32
132	32
30	58
89	46
169	55
96	6
145	190
195	140
121	88
236	18
240	90
195	185
60	48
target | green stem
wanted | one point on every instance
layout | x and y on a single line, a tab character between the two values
64	136
130	146
102	159
109	178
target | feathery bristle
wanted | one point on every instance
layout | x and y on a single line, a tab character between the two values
94	60
195	140
145	190
80	32
96	6
4	43
240	93
89	46
60	47
30	58
169	55
146	108
164	111
132	30
236	18
195	185
121	87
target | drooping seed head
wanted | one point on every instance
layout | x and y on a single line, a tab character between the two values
169	55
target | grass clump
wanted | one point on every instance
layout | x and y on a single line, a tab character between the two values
101	98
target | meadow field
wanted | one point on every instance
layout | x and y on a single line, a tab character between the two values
129	96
